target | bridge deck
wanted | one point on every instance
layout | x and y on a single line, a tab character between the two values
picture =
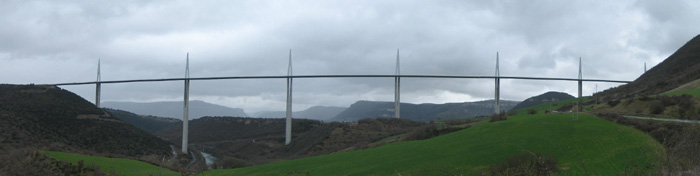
339	76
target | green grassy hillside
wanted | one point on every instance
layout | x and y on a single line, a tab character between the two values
694	92
584	147
118	166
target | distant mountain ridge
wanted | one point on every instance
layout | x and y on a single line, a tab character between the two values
543	98
315	112
681	67
421	112
174	109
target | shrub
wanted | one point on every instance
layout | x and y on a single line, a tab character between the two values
526	163
657	107
531	111
613	103
565	108
429	131
668	101
498	117
646	98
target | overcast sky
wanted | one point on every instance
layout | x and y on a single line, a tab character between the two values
61	41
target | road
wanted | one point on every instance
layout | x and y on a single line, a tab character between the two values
194	159
663	119
174	153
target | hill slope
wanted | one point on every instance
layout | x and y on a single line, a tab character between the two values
55	119
315	112
173	109
225	128
254	141
543	98
681	67
420	112
116	166
588	146
150	124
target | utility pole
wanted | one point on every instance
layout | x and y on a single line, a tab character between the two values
397	88
596	92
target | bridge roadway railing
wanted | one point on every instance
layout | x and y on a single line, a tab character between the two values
337	76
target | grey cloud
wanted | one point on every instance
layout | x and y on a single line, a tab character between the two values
149	39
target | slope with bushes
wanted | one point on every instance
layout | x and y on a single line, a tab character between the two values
682	67
543	98
150	124
52	118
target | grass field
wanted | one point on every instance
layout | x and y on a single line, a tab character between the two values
112	166
694	92
588	146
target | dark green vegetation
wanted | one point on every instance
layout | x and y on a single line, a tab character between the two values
112	166
49	118
52	118
240	142
586	146
32	162
150	124
543	98
420	112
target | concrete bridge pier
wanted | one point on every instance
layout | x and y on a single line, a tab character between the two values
397	88
497	104
580	85
98	86
186	109
288	129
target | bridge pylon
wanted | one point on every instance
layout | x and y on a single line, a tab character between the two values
98	85
288	128
497	98
186	108
397	88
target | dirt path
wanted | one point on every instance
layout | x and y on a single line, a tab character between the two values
663	119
